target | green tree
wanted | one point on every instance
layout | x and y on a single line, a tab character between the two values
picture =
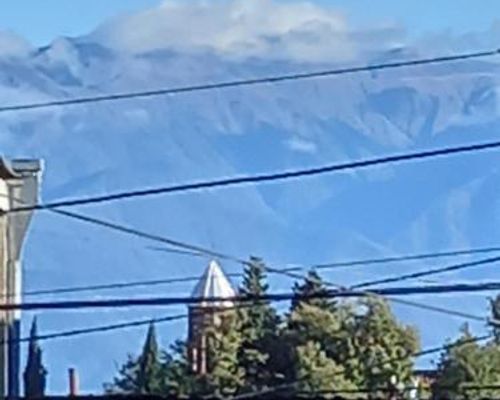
178	377
468	364
312	285
143	374
380	348
259	331
225	375
317	338
316	372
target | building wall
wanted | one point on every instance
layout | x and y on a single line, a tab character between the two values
18	187
201	320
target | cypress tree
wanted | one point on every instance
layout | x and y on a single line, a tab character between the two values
35	373
148	376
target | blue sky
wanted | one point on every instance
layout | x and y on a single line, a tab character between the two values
41	21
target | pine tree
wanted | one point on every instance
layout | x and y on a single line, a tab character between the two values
312	285
179	379
35	373
226	377
141	375
258	327
316	372
468	364
380	347
316	338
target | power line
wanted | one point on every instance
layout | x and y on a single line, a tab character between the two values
391	291
429	272
102	328
171	250
151	301
117	285
97	329
145	235
134	232
412	257
241	301
190	247
249	82
260	178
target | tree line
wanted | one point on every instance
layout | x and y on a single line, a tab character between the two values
319	346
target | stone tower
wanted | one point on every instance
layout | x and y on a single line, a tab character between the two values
205	314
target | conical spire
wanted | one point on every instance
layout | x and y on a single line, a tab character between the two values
214	283
35	373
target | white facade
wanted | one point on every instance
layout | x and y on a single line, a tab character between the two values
19	181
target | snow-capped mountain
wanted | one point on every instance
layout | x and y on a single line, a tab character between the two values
107	147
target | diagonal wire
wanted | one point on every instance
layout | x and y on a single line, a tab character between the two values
411	257
260	178
96	329
415	275
250	82
291	274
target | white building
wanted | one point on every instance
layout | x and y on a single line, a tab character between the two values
19	181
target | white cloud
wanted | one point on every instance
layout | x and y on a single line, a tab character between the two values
12	45
299	31
301	145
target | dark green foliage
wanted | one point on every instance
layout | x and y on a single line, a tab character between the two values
141	375
316	340
316	372
312	285
178	378
226	376
466	365
259	331
379	347
362	341
35	373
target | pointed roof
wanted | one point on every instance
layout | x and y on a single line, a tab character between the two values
214	283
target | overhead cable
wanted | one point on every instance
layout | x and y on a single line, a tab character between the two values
428	272
196	248
410	257
262	178
248	82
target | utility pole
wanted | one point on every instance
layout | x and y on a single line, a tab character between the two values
19	181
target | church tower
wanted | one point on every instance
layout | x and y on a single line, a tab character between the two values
207	314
